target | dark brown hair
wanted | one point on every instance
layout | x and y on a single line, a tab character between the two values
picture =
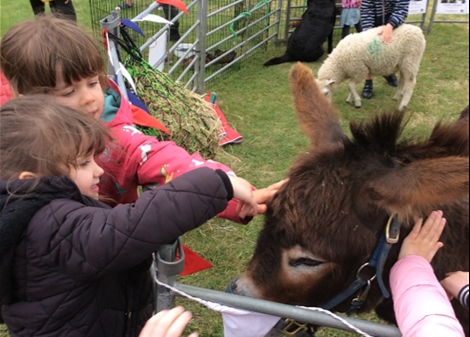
45	138
34	54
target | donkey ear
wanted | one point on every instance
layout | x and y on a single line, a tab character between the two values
422	186
317	117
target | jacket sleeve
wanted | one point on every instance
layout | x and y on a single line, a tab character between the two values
94	241
421	305
155	163
367	14
5	91
400	13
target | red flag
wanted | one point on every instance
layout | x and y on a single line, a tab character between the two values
176	3
142	118
193	262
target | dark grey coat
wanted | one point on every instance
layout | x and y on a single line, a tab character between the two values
81	268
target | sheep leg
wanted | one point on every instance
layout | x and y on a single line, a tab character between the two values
354	94
400	88
409	86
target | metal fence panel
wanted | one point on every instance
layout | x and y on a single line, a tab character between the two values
225	32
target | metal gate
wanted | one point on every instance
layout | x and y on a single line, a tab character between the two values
205	44
166	268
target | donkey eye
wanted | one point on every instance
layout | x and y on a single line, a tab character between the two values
305	261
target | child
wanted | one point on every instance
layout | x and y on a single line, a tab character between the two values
54	56
71	265
421	304
388	14
350	16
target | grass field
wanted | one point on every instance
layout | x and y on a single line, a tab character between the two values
258	103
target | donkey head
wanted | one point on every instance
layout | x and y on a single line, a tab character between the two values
324	223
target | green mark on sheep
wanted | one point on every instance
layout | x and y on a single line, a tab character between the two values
375	47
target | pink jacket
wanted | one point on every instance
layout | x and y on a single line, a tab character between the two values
134	159
5	91
422	307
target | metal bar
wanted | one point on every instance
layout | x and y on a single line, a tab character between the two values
167	268
283	310
278	21
191	80
201	35
222	9
166	27
433	14
150	8
450	21
190	49
214	61
286	28
227	38
238	58
111	24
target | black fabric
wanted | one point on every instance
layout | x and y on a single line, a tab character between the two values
227	183
15	215
18	205
56	6
81	268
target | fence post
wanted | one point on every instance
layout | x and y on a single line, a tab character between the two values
288	10
201	47
278	19
111	24
166	268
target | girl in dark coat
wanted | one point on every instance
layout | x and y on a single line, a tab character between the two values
69	264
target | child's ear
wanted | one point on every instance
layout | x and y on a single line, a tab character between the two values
27	175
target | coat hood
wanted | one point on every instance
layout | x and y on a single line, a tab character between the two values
21	199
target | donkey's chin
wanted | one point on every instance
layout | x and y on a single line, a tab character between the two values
242	286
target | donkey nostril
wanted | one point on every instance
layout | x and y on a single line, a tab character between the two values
232	286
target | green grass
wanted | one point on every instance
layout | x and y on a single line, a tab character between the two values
258	103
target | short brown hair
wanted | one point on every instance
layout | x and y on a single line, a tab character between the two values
45	138
34	53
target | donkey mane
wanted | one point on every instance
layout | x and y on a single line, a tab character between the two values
384	135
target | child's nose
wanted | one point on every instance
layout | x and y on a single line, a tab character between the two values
98	170
87	97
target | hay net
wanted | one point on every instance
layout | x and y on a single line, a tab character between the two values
191	120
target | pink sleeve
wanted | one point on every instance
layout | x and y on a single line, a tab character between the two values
421	305
5	91
159	162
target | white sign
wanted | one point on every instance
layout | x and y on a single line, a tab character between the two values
157	52
418	7
452	7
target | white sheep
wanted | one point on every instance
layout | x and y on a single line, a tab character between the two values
364	53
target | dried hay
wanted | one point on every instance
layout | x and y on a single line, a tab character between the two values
190	119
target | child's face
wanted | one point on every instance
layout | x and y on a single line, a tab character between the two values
87	176
85	95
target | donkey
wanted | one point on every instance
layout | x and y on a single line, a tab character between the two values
306	42
325	222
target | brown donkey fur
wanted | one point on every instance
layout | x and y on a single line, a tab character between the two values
324	223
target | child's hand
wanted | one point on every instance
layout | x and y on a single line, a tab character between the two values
454	282
423	240
167	323
264	194
386	32
242	191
